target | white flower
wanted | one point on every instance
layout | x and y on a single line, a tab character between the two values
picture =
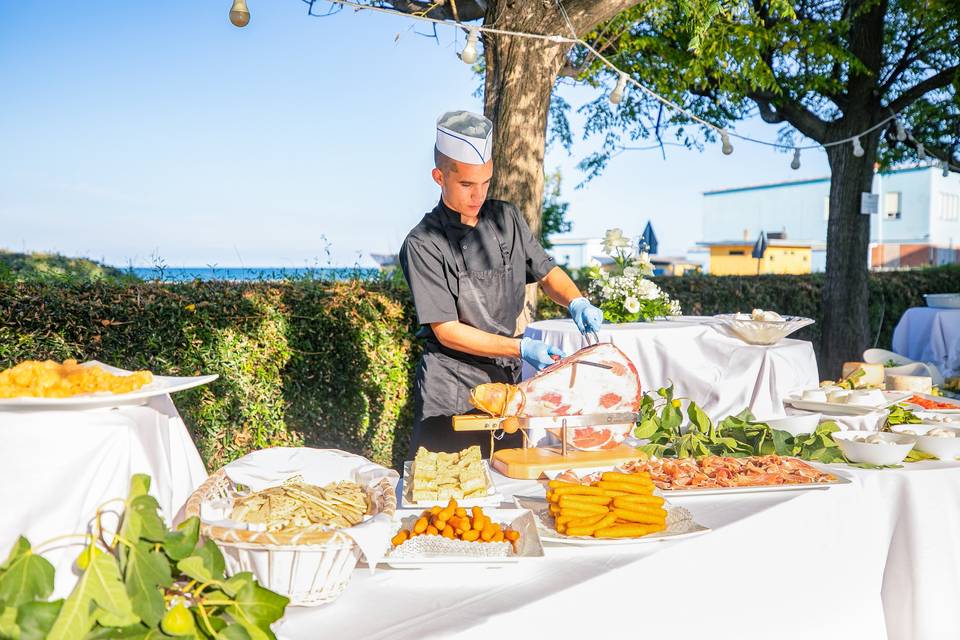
631	272
614	240
631	304
675	308
648	290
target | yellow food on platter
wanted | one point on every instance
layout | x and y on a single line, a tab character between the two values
456	523
50	379
620	505
296	507
445	476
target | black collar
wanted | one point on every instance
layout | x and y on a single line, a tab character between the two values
451	218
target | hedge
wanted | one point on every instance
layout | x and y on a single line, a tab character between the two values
304	362
320	363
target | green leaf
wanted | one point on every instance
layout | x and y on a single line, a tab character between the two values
236	582
25	576
916	455
646	429
8	622
256	609
100	593
151	524
782	442
234	632
132	632
698	418
146	573
139	485
666	392
670	417
180	543
36	618
205	565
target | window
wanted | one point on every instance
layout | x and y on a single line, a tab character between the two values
949	207
891	205
735	252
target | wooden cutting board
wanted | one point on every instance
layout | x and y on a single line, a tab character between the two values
529	464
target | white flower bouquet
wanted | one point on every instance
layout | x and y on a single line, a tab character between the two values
624	293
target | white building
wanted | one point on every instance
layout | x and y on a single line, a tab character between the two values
918	223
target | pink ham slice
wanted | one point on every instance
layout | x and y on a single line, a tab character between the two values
570	388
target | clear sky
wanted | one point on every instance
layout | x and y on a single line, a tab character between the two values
137	129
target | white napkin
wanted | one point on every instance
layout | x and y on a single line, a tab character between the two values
271	467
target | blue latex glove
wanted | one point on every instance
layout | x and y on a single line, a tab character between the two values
539	354
586	316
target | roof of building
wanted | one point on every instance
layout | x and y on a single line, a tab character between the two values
797	183
770	243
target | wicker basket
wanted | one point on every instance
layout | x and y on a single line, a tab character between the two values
309	568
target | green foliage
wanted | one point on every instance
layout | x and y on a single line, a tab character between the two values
553	216
735	436
320	363
52	267
136	587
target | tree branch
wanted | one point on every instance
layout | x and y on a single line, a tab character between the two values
587	14
922	88
466	10
775	109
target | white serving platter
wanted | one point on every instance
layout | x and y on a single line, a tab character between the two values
916	407
492	499
161	385
528	546
836	408
943	300
680	524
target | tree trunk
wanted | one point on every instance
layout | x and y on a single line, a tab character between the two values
519	79
845	331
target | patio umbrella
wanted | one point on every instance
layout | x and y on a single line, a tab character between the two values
759	248
649	239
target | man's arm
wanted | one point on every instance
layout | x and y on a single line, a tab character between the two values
463	337
560	287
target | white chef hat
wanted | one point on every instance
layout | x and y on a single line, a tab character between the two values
465	137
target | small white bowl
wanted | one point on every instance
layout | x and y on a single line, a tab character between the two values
892	451
943	448
795	425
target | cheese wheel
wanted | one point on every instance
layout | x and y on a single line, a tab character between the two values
873	373
915	384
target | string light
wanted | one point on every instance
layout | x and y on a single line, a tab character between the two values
726	147
901	133
239	14
795	163
469	53
469	56
857	148
617	94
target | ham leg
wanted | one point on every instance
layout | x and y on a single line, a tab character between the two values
570	388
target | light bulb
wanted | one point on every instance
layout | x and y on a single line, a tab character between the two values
617	94
795	163
726	147
946	168
921	152
239	14
857	149
901	132
469	53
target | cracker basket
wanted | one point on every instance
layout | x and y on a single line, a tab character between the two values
309	568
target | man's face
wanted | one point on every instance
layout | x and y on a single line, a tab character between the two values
464	186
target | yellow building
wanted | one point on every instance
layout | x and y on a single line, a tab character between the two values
734	258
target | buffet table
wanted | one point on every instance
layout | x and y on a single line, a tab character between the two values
722	372
87	459
929	334
841	562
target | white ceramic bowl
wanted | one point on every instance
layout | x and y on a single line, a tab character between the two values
893	451
943	300
882	356
795	425
943	448
763	331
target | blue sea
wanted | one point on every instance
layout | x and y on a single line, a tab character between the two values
186	274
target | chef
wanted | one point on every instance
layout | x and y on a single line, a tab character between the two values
467	262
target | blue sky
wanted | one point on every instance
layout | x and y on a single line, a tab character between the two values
137	129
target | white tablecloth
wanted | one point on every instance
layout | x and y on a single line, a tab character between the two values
57	467
928	334
870	560
721	373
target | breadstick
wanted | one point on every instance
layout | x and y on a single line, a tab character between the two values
628	487
639	478
626	531
640	517
565	500
629	501
588	530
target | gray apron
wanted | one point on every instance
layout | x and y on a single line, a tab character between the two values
488	300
